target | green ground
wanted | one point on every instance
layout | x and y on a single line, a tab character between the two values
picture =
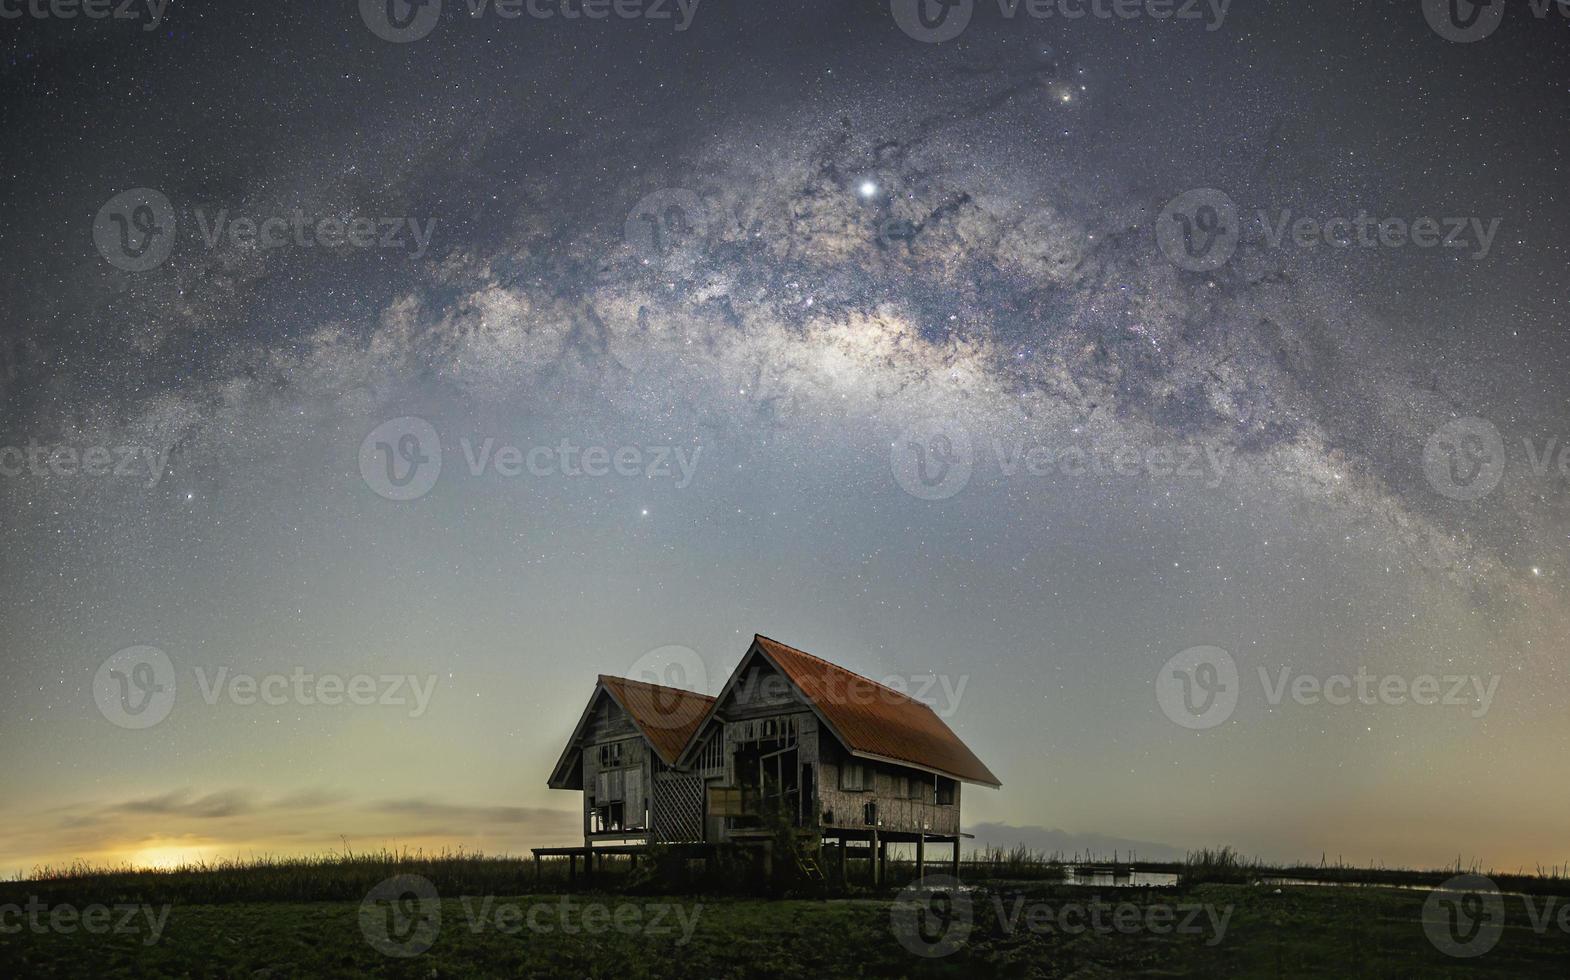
1300	931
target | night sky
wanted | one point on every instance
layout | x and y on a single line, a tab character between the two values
783	318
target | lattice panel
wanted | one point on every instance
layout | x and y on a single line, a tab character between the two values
678	807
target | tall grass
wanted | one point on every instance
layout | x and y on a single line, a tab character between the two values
1221	865
324	878
1019	862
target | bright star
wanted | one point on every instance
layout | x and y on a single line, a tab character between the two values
868	188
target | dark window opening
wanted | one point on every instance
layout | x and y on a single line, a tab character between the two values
945	791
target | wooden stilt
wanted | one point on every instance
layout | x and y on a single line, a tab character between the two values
955	867
843	879
921	855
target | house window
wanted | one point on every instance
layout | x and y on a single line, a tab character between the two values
610	755
869	814
855	777
945	791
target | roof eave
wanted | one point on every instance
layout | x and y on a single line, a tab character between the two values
973	780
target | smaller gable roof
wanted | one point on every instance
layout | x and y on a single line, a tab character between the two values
667	716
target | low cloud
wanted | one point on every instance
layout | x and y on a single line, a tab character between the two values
187	824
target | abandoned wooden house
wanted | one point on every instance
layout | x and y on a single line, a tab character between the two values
791	741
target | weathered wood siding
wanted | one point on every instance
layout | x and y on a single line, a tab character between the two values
609	723
761	693
895	811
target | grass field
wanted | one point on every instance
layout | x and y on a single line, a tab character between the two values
316	920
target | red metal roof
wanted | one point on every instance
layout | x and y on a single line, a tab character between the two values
667	716
876	720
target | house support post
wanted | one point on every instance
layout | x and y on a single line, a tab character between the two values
921	855
844	880
872	857
954	870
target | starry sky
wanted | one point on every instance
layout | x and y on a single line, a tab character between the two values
887	346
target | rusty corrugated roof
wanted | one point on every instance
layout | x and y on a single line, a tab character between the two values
876	720
667	716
